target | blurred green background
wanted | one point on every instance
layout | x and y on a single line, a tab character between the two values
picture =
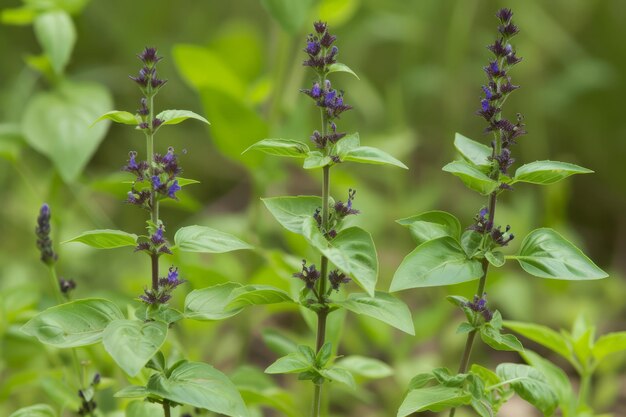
420	67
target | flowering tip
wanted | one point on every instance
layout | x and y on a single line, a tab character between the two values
149	56
320	27
504	15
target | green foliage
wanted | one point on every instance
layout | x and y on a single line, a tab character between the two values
38	410
366	367
473	152
339	67
131	343
199	385
472	177
56	34
207	240
174	117
293	212
281	147
432	225
433	399
547	254
289	14
547	172
77	323
530	384
383	307
105	239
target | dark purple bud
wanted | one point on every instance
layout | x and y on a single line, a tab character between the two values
42	231
149	56
337	278
484	105
66	285
173	189
156	122
508	30
144	125
96	379
342	210
504	15
313	48
143	110
156	182
327	40
309	275
316	91
320	27
157	83
488	93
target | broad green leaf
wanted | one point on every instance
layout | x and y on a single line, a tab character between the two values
141	409
292	212
498	341
346	144
547	172
383	307
293	363
556	378
161	312
118	116
470	242
474	152
11	141
56	123
371	155
316	159
472	177
132	343
495	258
19	16
339	375
547	254
431	225
256	295
199	385
173	117
339	67
210	303
77	323
132	391
543	335
420	380
105	239
207	240
281	147
56	34
437	262
37	410
530	384
486	375
363	366
291	15
352	251
435	399
186	181
608	344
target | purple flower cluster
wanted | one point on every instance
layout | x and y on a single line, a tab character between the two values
163	293
345	209
309	275
497	90
161	178
87	403
479	305
67	286
337	213
156	244
147	78
482	224
337	278
44	242
322	53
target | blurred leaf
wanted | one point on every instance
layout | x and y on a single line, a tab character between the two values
292	363
367	367
57	123
608	344
472	177
281	147
77	323
547	254
132	343
210	303
547	172
290	14
370	155
132	391
556	378
11	141
530	384
498	341
432	225
336	374
543	335
105	239
383	307
174	117
56	34
207	240
437	262
38	410
70	6
339	67
337	12
60	392
250	295
19	16
199	385
495	258
143	408
277	342
316	159
433	399
292	212
472	151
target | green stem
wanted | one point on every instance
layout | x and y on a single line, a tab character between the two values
584	390
54	281
166	408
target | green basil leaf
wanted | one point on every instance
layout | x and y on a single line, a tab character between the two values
608	344
498	341
132	391
73	324
543	335
383	307
371	155
432	225
339	375
56	34
495	258
105	239
472	177
210	303
434	399
207	240
472	151
281	147
316	159
291	15
556	378
256	295
174	117
37	410
530	384
118	116
132	343
292	212
440	261
339	67
292	363
547	172
547	254
199	385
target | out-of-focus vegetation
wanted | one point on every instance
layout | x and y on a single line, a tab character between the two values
420	67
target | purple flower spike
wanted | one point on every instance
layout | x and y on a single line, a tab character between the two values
42	231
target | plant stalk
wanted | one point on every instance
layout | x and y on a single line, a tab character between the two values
166	408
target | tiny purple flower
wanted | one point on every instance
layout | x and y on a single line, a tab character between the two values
173	189
156	182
